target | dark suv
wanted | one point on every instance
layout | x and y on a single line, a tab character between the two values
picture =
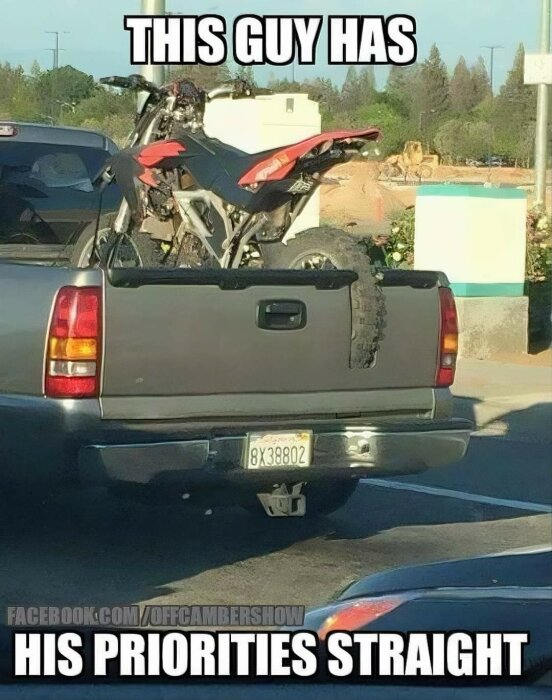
47	198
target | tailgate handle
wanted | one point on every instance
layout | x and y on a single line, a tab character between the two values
281	315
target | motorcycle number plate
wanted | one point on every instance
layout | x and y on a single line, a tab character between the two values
300	187
278	450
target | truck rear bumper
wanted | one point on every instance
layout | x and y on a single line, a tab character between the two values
360	450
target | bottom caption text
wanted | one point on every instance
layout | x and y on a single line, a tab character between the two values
267	654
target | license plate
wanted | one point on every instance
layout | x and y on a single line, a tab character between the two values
269	450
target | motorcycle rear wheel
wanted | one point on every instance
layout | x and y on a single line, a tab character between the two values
333	249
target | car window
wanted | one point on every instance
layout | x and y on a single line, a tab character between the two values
49	166
62	170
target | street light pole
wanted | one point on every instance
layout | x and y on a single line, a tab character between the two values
56	48
155	74
541	138
54	83
492	49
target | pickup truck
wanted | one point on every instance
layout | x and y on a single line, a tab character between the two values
191	385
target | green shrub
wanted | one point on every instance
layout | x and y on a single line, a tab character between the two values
538	264
399	250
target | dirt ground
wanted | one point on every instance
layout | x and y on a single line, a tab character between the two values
364	201
507	176
359	198
536	359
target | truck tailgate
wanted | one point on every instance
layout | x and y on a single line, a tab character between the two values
180	344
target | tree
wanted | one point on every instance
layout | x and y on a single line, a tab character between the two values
66	83
367	84
24	104
514	95
103	103
323	91
400	87
205	77
393	124
19	98
350	92
36	70
434	85
11	80
62	86
458	139
462	97
245	73
284	85
514	114
481	83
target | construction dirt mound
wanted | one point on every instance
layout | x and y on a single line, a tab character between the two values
359	198
370	204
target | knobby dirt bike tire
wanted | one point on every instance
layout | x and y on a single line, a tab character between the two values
345	253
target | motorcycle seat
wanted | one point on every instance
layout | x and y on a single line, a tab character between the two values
232	160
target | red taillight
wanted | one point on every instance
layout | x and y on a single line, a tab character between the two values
73	350
356	614
448	339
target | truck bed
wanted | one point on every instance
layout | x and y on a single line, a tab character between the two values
187	374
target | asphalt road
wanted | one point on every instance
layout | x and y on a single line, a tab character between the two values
89	549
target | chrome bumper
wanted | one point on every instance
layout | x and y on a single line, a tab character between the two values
370	450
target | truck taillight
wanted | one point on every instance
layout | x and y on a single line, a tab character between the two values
448	339
8	130
73	351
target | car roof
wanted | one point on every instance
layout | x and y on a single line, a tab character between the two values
526	569
58	135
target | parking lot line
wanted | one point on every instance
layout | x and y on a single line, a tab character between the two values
460	495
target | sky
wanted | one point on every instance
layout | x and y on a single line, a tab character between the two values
98	44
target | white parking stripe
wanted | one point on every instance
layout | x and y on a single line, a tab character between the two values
460	495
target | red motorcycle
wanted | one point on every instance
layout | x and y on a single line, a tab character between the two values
191	200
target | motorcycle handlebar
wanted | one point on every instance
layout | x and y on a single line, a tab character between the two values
240	88
131	82
263	91
221	91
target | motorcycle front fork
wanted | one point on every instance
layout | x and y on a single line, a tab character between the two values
122	220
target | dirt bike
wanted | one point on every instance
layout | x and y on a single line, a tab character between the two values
191	200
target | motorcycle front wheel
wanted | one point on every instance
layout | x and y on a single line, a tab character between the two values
109	249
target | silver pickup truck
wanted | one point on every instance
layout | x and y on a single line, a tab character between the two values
192	385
